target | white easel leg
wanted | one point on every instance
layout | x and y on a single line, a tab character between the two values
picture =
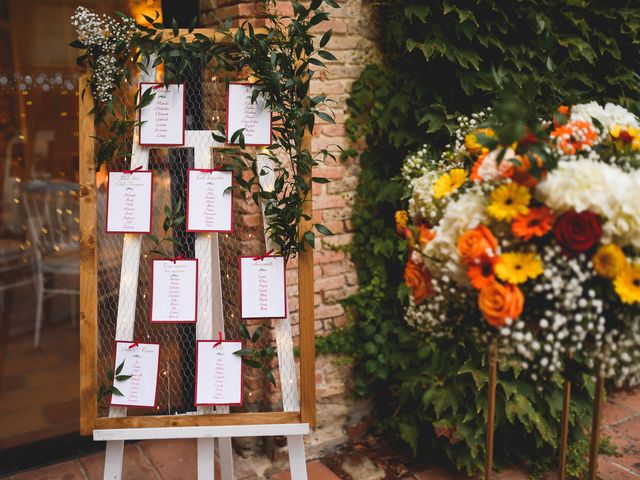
113	460
297	463
206	462
225	455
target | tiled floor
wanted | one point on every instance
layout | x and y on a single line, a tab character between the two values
39	387
176	460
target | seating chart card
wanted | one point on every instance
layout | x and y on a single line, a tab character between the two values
218	373
263	287
209	201
129	196
253	117
139	362
174	290
162	121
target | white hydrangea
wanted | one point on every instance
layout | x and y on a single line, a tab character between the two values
607	116
604	189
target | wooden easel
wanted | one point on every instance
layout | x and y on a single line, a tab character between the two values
299	412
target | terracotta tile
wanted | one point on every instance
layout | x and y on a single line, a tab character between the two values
11	382
63	412
611	470
59	374
614	412
316	470
60	471
38	396
511	474
630	428
628	448
22	421
628	398
439	473
174	459
134	465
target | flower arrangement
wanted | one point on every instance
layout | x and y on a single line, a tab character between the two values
531	234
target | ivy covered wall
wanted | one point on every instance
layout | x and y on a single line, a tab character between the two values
443	59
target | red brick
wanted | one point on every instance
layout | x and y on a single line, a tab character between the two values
629	399
328	201
610	469
329	283
327	256
174	459
134	465
329	311
333	172
613	413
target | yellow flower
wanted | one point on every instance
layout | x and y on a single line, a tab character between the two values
401	221
609	261
626	136
518	267
627	284
449	182
508	201
471	140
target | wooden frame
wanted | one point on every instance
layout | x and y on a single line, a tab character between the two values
89	420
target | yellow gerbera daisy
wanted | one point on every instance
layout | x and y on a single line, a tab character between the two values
609	261
518	267
627	284
449	182
508	201
471	140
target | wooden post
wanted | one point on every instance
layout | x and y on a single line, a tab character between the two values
596	421
564	432
491	415
306	312
88	264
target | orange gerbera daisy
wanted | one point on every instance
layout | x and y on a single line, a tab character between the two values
481	272
574	136
536	223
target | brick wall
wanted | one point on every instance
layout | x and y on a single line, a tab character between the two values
353	43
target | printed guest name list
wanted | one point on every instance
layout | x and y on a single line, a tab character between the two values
263	290
162	121
129	202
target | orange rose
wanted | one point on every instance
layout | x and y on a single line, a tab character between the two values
418	280
474	243
425	235
499	301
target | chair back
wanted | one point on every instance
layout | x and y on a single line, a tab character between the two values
52	216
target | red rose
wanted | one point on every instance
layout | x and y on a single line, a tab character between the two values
577	232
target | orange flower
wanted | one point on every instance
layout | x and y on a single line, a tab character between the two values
418	280
499	301
425	235
536	223
475	176
475	243
521	172
481	271
574	136
563	110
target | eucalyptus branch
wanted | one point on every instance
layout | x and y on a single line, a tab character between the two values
255	356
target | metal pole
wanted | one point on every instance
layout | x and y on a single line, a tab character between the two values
493	366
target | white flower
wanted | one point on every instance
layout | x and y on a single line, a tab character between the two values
608	116
489	169
598	187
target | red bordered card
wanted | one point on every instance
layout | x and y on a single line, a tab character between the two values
263	287
219	373
162	121
254	117
209	200
129	201
174	290
142	362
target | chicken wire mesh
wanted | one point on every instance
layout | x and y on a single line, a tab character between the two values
205	105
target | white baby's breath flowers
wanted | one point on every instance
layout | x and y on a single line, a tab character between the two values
103	37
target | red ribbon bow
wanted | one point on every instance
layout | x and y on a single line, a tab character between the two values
219	340
136	343
175	259
139	167
262	257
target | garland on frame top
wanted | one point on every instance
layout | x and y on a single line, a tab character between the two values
281	58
